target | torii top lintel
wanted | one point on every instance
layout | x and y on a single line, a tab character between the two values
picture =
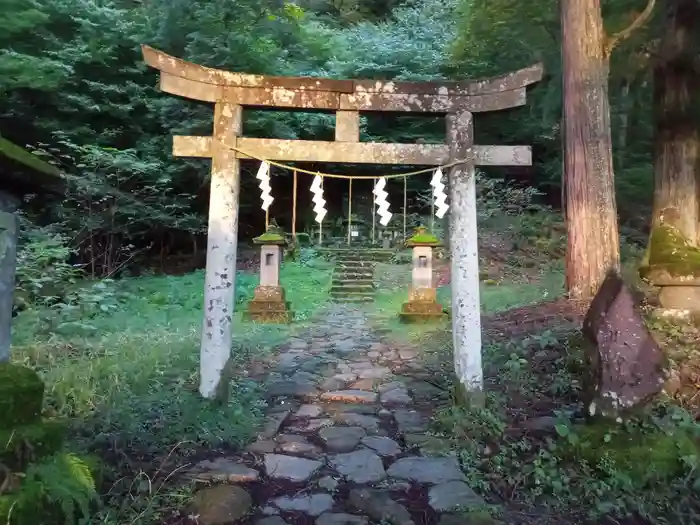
193	81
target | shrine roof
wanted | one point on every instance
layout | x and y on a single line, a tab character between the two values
23	172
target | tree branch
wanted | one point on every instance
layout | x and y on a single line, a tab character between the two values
638	22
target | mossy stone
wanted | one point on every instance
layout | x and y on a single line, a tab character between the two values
644	455
43	438
670	254
21	396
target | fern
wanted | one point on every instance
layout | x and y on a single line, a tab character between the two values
63	482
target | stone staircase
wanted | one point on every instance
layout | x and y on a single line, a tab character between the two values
353	277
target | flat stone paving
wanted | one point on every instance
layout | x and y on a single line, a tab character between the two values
345	440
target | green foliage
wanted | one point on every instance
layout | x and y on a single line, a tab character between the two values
21	395
44	273
58	490
23	445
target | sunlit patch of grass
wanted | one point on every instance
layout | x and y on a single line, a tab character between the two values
495	297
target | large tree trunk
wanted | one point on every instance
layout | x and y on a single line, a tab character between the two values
591	215
676	113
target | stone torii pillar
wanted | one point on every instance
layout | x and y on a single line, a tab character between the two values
457	101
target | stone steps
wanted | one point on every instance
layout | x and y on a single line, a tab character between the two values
353	277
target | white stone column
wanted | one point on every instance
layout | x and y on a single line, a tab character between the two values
466	306
8	262
222	240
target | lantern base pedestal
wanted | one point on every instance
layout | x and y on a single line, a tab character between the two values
422	307
269	306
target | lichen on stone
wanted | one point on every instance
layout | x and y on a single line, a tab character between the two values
21	396
670	254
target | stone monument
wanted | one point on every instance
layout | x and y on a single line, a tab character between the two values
422	305
268	304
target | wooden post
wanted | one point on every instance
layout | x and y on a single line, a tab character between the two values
320	225
432	210
349	211
405	201
222	239
294	206
466	307
374	211
8	261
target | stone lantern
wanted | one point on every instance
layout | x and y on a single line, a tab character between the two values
422	305
268	304
673	265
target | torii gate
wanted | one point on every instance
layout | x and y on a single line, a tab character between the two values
230	92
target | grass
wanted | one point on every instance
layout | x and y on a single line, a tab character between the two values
122	366
394	282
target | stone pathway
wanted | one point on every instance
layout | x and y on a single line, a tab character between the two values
344	442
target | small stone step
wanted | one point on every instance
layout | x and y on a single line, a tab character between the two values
347	298
355	266
352	287
352	282
353	274
354	262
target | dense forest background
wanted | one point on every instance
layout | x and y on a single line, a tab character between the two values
74	88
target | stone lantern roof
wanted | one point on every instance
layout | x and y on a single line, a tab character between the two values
422	237
271	237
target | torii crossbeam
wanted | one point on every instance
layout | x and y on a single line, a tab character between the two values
457	101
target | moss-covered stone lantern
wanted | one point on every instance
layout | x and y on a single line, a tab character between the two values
422	305
268	304
673	264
